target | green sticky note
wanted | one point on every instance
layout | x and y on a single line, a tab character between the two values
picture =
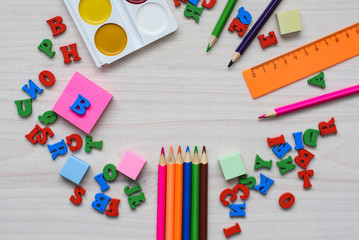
289	22
232	166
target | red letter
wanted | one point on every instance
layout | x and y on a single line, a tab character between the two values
238	26
56	25
210	4
268	40
231	230
244	189
304	158
79	192
39	138
113	208
66	53
47	78
225	193
326	128
305	175
77	139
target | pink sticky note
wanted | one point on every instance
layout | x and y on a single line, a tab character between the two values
131	164
98	97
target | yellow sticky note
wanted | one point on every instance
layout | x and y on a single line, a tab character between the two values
289	21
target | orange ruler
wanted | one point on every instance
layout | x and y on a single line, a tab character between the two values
303	61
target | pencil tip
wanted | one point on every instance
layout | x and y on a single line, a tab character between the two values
187	149
171	150
204	149
179	150
163	151
195	150
263	116
230	63
208	47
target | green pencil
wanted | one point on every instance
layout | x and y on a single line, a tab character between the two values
195	196
221	22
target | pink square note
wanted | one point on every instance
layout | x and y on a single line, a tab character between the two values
98	97
131	164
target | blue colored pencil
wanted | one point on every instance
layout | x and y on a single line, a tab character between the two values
187	181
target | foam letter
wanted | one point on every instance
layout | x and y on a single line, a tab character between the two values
27	105
113	208
281	150
45	46
305	175
101	181
237	210
67	53
276	141
225	193
231	230
298	140
261	163
48	117
136	200
78	140
285	165
41	137
244	16
263	187
56	25
327	127
238	26
304	158
106	172
32	89
47	78
210	4
100	202
244	189
90	144
193	11
267	40
130	191
251	181
79	192
57	149
310	137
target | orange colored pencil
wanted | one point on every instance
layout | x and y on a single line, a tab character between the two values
178	196
170	196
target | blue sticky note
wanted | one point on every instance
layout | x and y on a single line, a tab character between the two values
74	169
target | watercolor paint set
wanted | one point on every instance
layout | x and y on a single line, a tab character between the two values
113	29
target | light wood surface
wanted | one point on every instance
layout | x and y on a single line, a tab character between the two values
169	93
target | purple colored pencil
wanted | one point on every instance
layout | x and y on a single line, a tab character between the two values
254	30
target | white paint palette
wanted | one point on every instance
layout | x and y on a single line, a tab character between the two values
113	29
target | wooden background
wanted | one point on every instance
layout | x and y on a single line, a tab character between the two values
173	92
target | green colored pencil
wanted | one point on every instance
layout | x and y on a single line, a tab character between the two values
195	196
221	22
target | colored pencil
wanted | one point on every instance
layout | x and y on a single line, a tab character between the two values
195	196
254	31
161	197
170	196
221	22
178	196
187	179
312	102
203	196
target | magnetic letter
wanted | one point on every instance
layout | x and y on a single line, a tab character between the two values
304	158
78	140
101	181
90	144
231	230
48	117
260	163
79	192
46	46
57	149
134	201
281	150
100	202
26	110
244	189
276	141
210	4
80	105
56	25
237	25
285	165
327	127
225	193
286	200
47	78
305	175
113	208
237	210
106	173
263	187
193	11
268	40
244	179
310	137
130	191
244	16
68	53
32	89
298	140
